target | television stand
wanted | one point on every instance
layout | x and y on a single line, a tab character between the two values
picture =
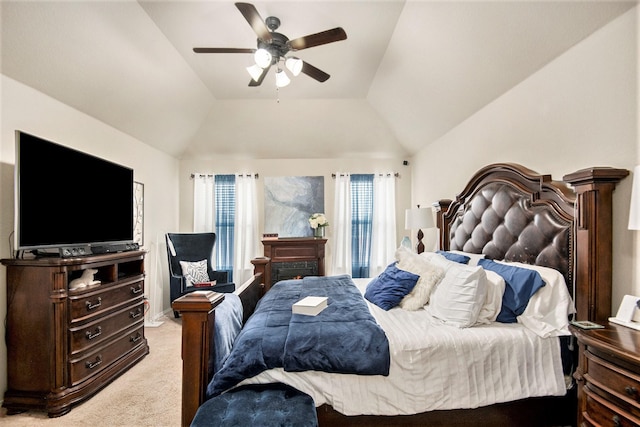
65	345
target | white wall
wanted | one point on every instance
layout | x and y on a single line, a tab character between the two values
31	111
295	167
578	111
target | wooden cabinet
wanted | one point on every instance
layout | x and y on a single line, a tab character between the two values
608	376
64	345
293	257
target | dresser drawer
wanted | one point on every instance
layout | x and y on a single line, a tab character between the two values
601	412
95	361
103	328
614	380
104	299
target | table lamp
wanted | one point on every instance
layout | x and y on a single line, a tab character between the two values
417	219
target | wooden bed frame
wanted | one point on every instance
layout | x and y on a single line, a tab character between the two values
579	245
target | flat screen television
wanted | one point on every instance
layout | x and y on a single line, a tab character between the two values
67	198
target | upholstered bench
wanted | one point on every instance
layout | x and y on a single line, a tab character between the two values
258	405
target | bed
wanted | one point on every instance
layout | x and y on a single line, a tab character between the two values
506	213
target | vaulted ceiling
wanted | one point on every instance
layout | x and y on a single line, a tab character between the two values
408	72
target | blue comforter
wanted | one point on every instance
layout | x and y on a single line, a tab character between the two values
343	338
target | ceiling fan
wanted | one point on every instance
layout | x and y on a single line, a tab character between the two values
273	47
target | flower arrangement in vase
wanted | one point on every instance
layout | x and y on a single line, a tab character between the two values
318	222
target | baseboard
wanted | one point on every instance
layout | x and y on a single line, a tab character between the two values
156	321
151	324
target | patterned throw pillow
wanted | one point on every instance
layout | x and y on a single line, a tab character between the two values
194	272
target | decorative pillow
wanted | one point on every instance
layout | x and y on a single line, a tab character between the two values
452	256
387	289
473	258
430	276
493	302
548	311
459	297
521	283
194	272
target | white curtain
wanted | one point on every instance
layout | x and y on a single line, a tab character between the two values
246	241
341	224
383	235
204	203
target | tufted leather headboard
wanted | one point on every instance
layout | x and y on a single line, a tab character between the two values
509	212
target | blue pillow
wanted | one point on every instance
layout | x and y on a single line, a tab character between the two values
521	284
387	290
462	259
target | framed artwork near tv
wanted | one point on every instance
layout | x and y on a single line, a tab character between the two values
138	213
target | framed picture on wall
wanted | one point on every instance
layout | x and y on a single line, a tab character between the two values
289	202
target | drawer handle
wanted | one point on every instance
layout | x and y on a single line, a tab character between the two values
91	306
134	314
631	391
136	290
92	335
136	338
616	421
91	365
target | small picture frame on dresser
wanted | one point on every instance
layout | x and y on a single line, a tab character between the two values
586	324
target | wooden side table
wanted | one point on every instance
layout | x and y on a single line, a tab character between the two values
608	376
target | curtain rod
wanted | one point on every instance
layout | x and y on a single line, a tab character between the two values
396	174
193	175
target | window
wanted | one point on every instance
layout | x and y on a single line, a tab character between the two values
225	193
361	223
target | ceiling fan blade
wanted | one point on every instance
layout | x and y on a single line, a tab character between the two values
222	50
254	19
329	36
254	83
314	72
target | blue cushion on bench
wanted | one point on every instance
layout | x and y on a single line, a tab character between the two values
258	405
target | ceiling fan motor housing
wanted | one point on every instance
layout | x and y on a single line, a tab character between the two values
278	47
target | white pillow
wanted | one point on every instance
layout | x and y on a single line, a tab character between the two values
460	295
473	258
429	274
493	301
548	310
194	272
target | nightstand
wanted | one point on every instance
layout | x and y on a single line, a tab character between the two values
608	376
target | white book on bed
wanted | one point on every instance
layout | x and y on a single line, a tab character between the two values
310	306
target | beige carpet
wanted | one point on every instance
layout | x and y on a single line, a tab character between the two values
148	394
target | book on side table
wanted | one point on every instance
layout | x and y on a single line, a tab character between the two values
628	313
310	306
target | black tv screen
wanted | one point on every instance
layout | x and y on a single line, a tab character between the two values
65	197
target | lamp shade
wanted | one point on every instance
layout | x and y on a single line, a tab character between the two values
294	65
262	58
418	218
255	71
634	208
282	79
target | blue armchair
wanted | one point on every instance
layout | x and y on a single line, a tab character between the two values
192	249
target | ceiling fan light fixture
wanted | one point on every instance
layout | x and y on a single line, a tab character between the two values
294	65
282	79
262	58
255	71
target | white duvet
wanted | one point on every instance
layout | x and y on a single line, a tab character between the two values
434	366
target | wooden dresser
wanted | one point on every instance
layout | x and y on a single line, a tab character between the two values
608	376
64	345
